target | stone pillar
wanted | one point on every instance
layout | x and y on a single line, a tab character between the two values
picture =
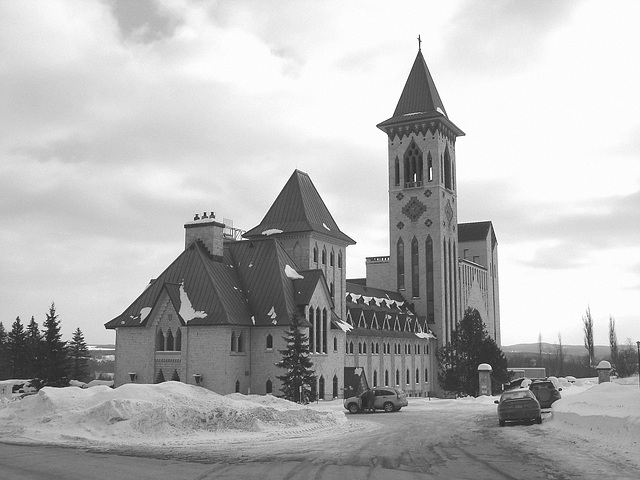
604	371
484	377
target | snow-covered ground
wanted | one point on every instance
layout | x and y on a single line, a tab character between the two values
606	416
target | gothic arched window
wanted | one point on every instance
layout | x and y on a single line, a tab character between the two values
400	266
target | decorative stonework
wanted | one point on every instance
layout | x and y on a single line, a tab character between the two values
427	193
448	212
400	225
428	223
414	209
400	196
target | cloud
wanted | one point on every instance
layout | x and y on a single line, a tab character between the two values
492	37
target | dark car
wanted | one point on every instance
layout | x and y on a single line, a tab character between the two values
389	399
518	405
546	392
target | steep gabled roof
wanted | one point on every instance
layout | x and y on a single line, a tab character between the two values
203	292
306	286
420	99
261	266
297	209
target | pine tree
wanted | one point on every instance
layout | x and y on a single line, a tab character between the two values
78	357
17	350
160	377
299	376
54	352
34	349
470	346
4	360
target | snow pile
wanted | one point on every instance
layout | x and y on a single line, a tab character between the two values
610	411
187	312
291	273
137	413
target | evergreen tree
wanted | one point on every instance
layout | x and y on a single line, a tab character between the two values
4	357
17	350
34	349
160	377
78	357
470	346
299	376
54	352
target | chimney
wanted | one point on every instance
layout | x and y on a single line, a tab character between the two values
208	231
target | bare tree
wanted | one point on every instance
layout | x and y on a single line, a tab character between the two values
613	341
560	357
587	321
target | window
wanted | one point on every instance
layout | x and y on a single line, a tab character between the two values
408	378
315	254
415	270
426	375
447	170
178	342
169	341
397	377
350	347
331	258
335	344
400	266
237	386
413	166
335	386
312	330
269	387
339	259
233	341
321	388
375	378
269	342
417	375
397	172
240	343
429	168
430	283
160	341
332	290
324	256
386	378
325	328
359	347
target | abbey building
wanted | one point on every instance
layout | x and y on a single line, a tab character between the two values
216	316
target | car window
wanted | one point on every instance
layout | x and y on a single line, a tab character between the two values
382	393
516	395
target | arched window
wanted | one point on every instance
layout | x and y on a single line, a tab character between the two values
234	344
350	347
318	334
312	330
400	266
429	257
321	388
269	387
269	342
447	169
386	378
237	386
169	341
413	166
417	375
364	347
375	378
397	171
397	377
408	378
332	290
429	167
178	342
359	347
335	386
315	254
240	343
339	259
324	256
325	329
415	268
160	341
331	258
335	344
426	375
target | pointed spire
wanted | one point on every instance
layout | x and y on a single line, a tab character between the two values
299	208
420	98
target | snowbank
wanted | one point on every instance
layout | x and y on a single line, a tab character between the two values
608	412
149	413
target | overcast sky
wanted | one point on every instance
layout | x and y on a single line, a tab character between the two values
120	120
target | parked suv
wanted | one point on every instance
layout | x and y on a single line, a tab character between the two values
545	391
389	399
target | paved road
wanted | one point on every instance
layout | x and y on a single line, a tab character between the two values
403	445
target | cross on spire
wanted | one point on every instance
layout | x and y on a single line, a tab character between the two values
419	44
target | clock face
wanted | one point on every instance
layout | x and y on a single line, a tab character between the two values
414	208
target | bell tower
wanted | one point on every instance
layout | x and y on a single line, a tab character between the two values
423	216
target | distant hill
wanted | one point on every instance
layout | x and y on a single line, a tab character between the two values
600	351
